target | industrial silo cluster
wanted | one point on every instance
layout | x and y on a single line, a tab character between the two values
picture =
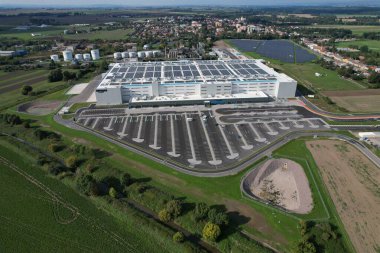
68	56
139	54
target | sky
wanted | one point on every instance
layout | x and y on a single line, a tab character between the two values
73	3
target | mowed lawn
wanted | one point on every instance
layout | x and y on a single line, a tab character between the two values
117	34
373	45
11	84
330	80
356	29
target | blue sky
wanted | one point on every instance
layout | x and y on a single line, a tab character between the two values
181	2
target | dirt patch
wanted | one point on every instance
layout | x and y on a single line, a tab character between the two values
353	182
352	93
280	182
221	44
359	103
39	107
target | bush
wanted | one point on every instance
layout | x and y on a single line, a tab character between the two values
126	179
26	89
26	124
72	161
174	207
164	215
53	147
178	237
55	168
201	210
88	185
211	232
112	192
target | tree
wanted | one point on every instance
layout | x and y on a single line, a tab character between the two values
26	89
71	161
164	215
364	49
218	217
55	75
103	65
201	211
211	231
87	184
305	246
52	64
113	193
126	179
178	237
67	75
53	147
174	207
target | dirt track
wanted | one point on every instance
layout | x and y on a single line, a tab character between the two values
354	185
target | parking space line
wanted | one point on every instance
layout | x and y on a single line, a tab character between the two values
312	125
296	125
173	152
138	139
246	145
154	146
282	126
213	161
193	160
259	138
232	155
122	134
86	122
108	128
96	122
270	130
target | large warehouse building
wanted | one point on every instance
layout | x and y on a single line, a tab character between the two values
192	82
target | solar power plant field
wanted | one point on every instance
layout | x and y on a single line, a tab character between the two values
207	140
282	50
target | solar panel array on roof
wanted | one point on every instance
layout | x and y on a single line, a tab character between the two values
182	71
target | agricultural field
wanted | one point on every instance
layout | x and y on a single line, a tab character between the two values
40	214
353	183
283	50
27	35
12	82
356	29
373	45
356	101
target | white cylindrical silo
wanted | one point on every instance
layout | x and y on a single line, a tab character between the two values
132	55
149	54
117	55
79	57
141	54
95	54
67	55
54	57
87	57
125	54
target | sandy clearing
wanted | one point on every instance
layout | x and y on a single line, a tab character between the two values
77	89
282	182
354	186
39	107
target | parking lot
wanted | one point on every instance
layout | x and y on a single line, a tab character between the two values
202	139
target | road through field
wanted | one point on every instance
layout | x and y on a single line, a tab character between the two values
353	182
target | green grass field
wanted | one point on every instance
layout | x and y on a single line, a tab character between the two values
102	35
330	80
356	29
33	220
373	45
12	82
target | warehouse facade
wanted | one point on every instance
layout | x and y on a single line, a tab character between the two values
192	82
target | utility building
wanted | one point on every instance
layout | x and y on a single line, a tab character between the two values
192	82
